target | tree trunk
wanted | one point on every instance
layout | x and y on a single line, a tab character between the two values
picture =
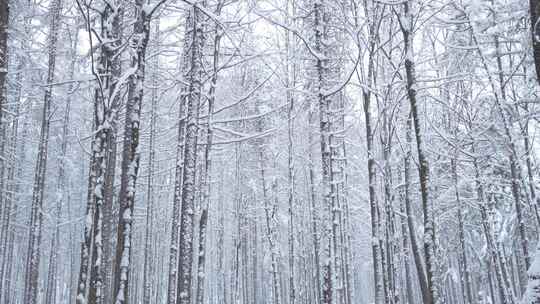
130	153
534	11
366	97
466	280
409	291
61	189
115	35
95	265
149	227
314	214
194	79
270	219
430	294
175	226
373	203
36	216
532	291
179	171
505	290
321	62
206	180
14	172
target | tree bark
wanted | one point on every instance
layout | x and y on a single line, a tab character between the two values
270	211
466	280
532	291
290	82
193	97
417	255
179	171
314	214
206	180
130	153
149	227
534	12
114	102
321	62
94	282
36	216
14	172
61	188
430	296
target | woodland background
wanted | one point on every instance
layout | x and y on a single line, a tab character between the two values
269	151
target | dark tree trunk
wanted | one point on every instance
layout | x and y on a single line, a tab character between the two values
534	10
193	97
429	294
94	282
130	155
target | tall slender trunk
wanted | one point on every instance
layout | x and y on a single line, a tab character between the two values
36	216
290	83
409	291
532	292
321	63
109	208
179	172
15	186
206	180
237	212
417	255
390	226
130	153
94	275
366	97
10	208
61	189
193	97
383	253
466	279
270	214
149	227
221	286
175	226
373	203
7	233
314	207
430	294
113	104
